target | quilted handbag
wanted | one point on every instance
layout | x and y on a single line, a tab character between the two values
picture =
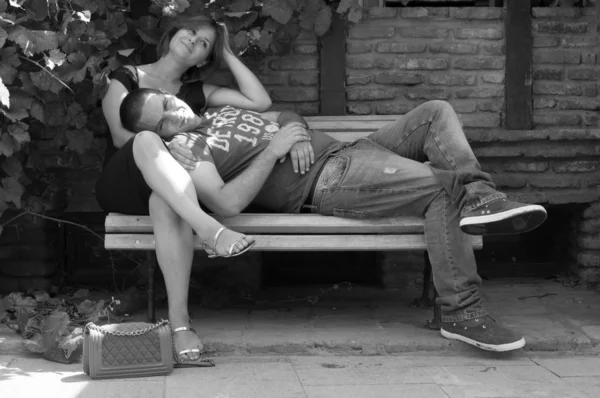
134	349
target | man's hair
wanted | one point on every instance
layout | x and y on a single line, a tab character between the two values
132	107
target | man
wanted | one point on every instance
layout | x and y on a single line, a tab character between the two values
382	175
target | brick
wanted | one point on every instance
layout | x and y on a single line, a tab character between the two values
382	12
564	196
553	181
527	197
371	32
452	80
353	78
479	120
480	93
589	242
481	13
493	49
454	48
304	78
370	94
556	88
541	103
395	47
522	166
579	103
588	275
408	79
545	41
491	106
556	120
560	27
589	259
358	109
562	13
476	33
296	63
473	63
512	181
393	108
305	49
428	94
589	119
296	94
20	268
573	134
588	58
590	226
589	90
427	33
272	79
542	56
358	47
547	74
305	109
369	63
414	12
582	74
421	63
464	106
578	41
576	166
593	211
493	78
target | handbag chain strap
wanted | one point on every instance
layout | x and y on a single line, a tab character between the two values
138	332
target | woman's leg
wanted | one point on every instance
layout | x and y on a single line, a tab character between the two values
173	184
175	252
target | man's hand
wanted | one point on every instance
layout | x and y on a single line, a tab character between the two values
286	137
302	156
182	154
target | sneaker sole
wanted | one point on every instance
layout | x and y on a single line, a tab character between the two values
488	347
514	221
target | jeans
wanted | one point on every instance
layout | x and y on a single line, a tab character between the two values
384	175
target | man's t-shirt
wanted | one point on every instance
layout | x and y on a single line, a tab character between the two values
231	138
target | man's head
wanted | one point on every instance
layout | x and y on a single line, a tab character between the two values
156	110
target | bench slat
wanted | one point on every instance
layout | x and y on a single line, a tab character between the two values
282	223
296	242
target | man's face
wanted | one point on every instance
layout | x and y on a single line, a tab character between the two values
166	115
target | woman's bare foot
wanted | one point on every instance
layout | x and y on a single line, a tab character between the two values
187	345
228	243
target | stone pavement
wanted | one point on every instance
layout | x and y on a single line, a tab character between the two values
371	321
425	375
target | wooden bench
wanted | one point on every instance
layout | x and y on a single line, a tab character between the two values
298	232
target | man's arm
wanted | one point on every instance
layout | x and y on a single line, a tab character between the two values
231	198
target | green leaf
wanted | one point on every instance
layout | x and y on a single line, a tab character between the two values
55	326
323	21
19	132
10	57
38	9
4	94
80	140
13	190
74	71
149	36
75	115
16	3
115	26
33	41
240	5
240	40
12	167
37	111
45	82
3	5
344	6
54	58
279	10
7	145
35	344
3	37
8	73
89	5
355	15
71	342
15	114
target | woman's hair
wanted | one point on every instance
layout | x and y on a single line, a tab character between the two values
214	60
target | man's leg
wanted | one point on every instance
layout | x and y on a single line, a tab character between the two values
366	180
432	132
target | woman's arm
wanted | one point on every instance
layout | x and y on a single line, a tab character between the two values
110	107
252	95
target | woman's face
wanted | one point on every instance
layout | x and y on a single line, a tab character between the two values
193	45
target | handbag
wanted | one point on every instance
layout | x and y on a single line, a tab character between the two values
135	349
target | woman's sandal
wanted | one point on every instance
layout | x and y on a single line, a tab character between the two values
200	362
212	251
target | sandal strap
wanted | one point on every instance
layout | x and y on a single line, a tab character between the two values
216	238
183	329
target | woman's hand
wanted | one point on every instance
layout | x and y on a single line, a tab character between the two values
302	156
182	154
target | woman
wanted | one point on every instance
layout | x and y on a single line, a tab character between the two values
157	184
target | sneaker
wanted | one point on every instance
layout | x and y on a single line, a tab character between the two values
483	333
501	216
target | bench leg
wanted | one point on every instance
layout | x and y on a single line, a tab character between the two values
424	301
151	285
434	323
